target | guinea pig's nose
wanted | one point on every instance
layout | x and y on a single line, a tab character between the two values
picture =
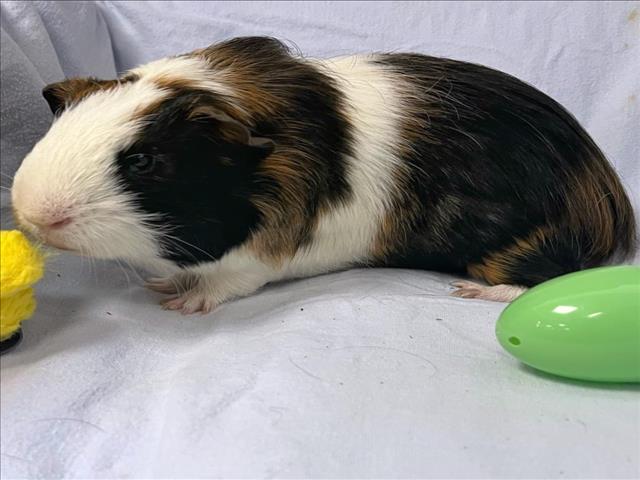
60	223
50	223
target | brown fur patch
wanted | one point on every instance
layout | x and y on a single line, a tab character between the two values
392	234
496	267
287	224
173	84
73	90
599	210
248	78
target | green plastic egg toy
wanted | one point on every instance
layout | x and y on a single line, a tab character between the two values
584	325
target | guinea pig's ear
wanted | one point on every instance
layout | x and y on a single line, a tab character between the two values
54	95
233	131
61	94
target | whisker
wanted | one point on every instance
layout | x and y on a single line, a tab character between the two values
179	249
124	272
93	270
172	237
133	270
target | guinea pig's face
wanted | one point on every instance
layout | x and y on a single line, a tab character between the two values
133	170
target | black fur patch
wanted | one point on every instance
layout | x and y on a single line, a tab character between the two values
495	162
200	184
62	95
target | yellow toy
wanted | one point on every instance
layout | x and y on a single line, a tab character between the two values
21	266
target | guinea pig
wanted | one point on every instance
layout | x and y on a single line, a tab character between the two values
242	164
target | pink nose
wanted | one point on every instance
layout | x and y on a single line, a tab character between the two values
51	223
60	223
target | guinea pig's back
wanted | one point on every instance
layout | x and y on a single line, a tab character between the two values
416	161
494	177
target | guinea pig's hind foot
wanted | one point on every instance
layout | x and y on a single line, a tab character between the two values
495	293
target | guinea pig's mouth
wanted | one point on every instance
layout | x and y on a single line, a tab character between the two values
46	238
53	242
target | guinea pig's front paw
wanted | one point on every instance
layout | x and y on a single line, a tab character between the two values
189	294
179	283
193	301
205	287
162	285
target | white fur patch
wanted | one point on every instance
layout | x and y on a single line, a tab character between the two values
345	235
193	70
71	170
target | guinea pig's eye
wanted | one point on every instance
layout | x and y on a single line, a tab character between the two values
140	163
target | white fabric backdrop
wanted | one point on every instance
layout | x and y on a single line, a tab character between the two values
357	374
